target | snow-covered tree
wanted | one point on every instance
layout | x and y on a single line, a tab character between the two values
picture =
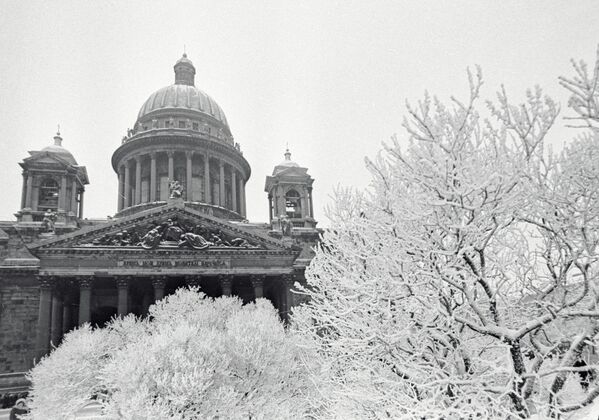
464	282
193	357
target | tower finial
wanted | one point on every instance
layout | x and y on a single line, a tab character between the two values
58	130
184	51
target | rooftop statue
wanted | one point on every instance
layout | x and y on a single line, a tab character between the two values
48	221
176	189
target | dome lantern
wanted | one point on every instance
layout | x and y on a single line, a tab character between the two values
184	71
57	139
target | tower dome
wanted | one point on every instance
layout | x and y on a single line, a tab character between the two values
58	150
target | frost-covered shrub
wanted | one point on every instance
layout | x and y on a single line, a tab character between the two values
196	357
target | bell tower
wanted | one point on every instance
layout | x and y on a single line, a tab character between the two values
52	183
290	196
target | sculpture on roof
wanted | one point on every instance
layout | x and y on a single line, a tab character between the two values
286	226
176	189
48	221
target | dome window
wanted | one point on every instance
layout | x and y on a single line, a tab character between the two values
196	126
182	124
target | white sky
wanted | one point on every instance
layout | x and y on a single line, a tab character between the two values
328	77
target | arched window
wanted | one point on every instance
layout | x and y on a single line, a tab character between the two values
48	195
293	204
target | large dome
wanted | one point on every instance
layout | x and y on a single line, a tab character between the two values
182	97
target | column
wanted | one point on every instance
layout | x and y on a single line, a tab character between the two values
234	188
121	197
127	185
226	284
137	180
207	195
159	284
145	303
310	202
221	178
42	342
24	191
66	313
29	191
242	198
171	168
282	203
56	328
287	301
62	194
270	209
258	285
85	295
122	284
81	204
74	197
152	177
188	162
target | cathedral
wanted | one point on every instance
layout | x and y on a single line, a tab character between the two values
180	221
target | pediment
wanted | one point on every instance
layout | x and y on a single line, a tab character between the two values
173	226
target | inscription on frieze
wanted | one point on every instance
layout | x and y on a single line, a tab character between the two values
173	263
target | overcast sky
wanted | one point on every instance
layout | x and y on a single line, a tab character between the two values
330	78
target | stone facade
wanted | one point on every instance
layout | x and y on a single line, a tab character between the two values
180	221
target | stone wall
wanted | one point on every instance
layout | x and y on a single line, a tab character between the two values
18	322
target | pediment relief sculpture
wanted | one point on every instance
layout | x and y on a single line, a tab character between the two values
173	232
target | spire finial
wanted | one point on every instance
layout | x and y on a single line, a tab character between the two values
184	51
58	130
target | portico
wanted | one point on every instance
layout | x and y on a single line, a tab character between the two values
114	270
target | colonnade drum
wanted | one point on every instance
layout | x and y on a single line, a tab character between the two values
205	179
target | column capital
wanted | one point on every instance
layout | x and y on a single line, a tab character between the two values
137	159
257	279
152	155
85	282
159	281
123	282
170	153
221	163
46	282
189	154
225	278
289	279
